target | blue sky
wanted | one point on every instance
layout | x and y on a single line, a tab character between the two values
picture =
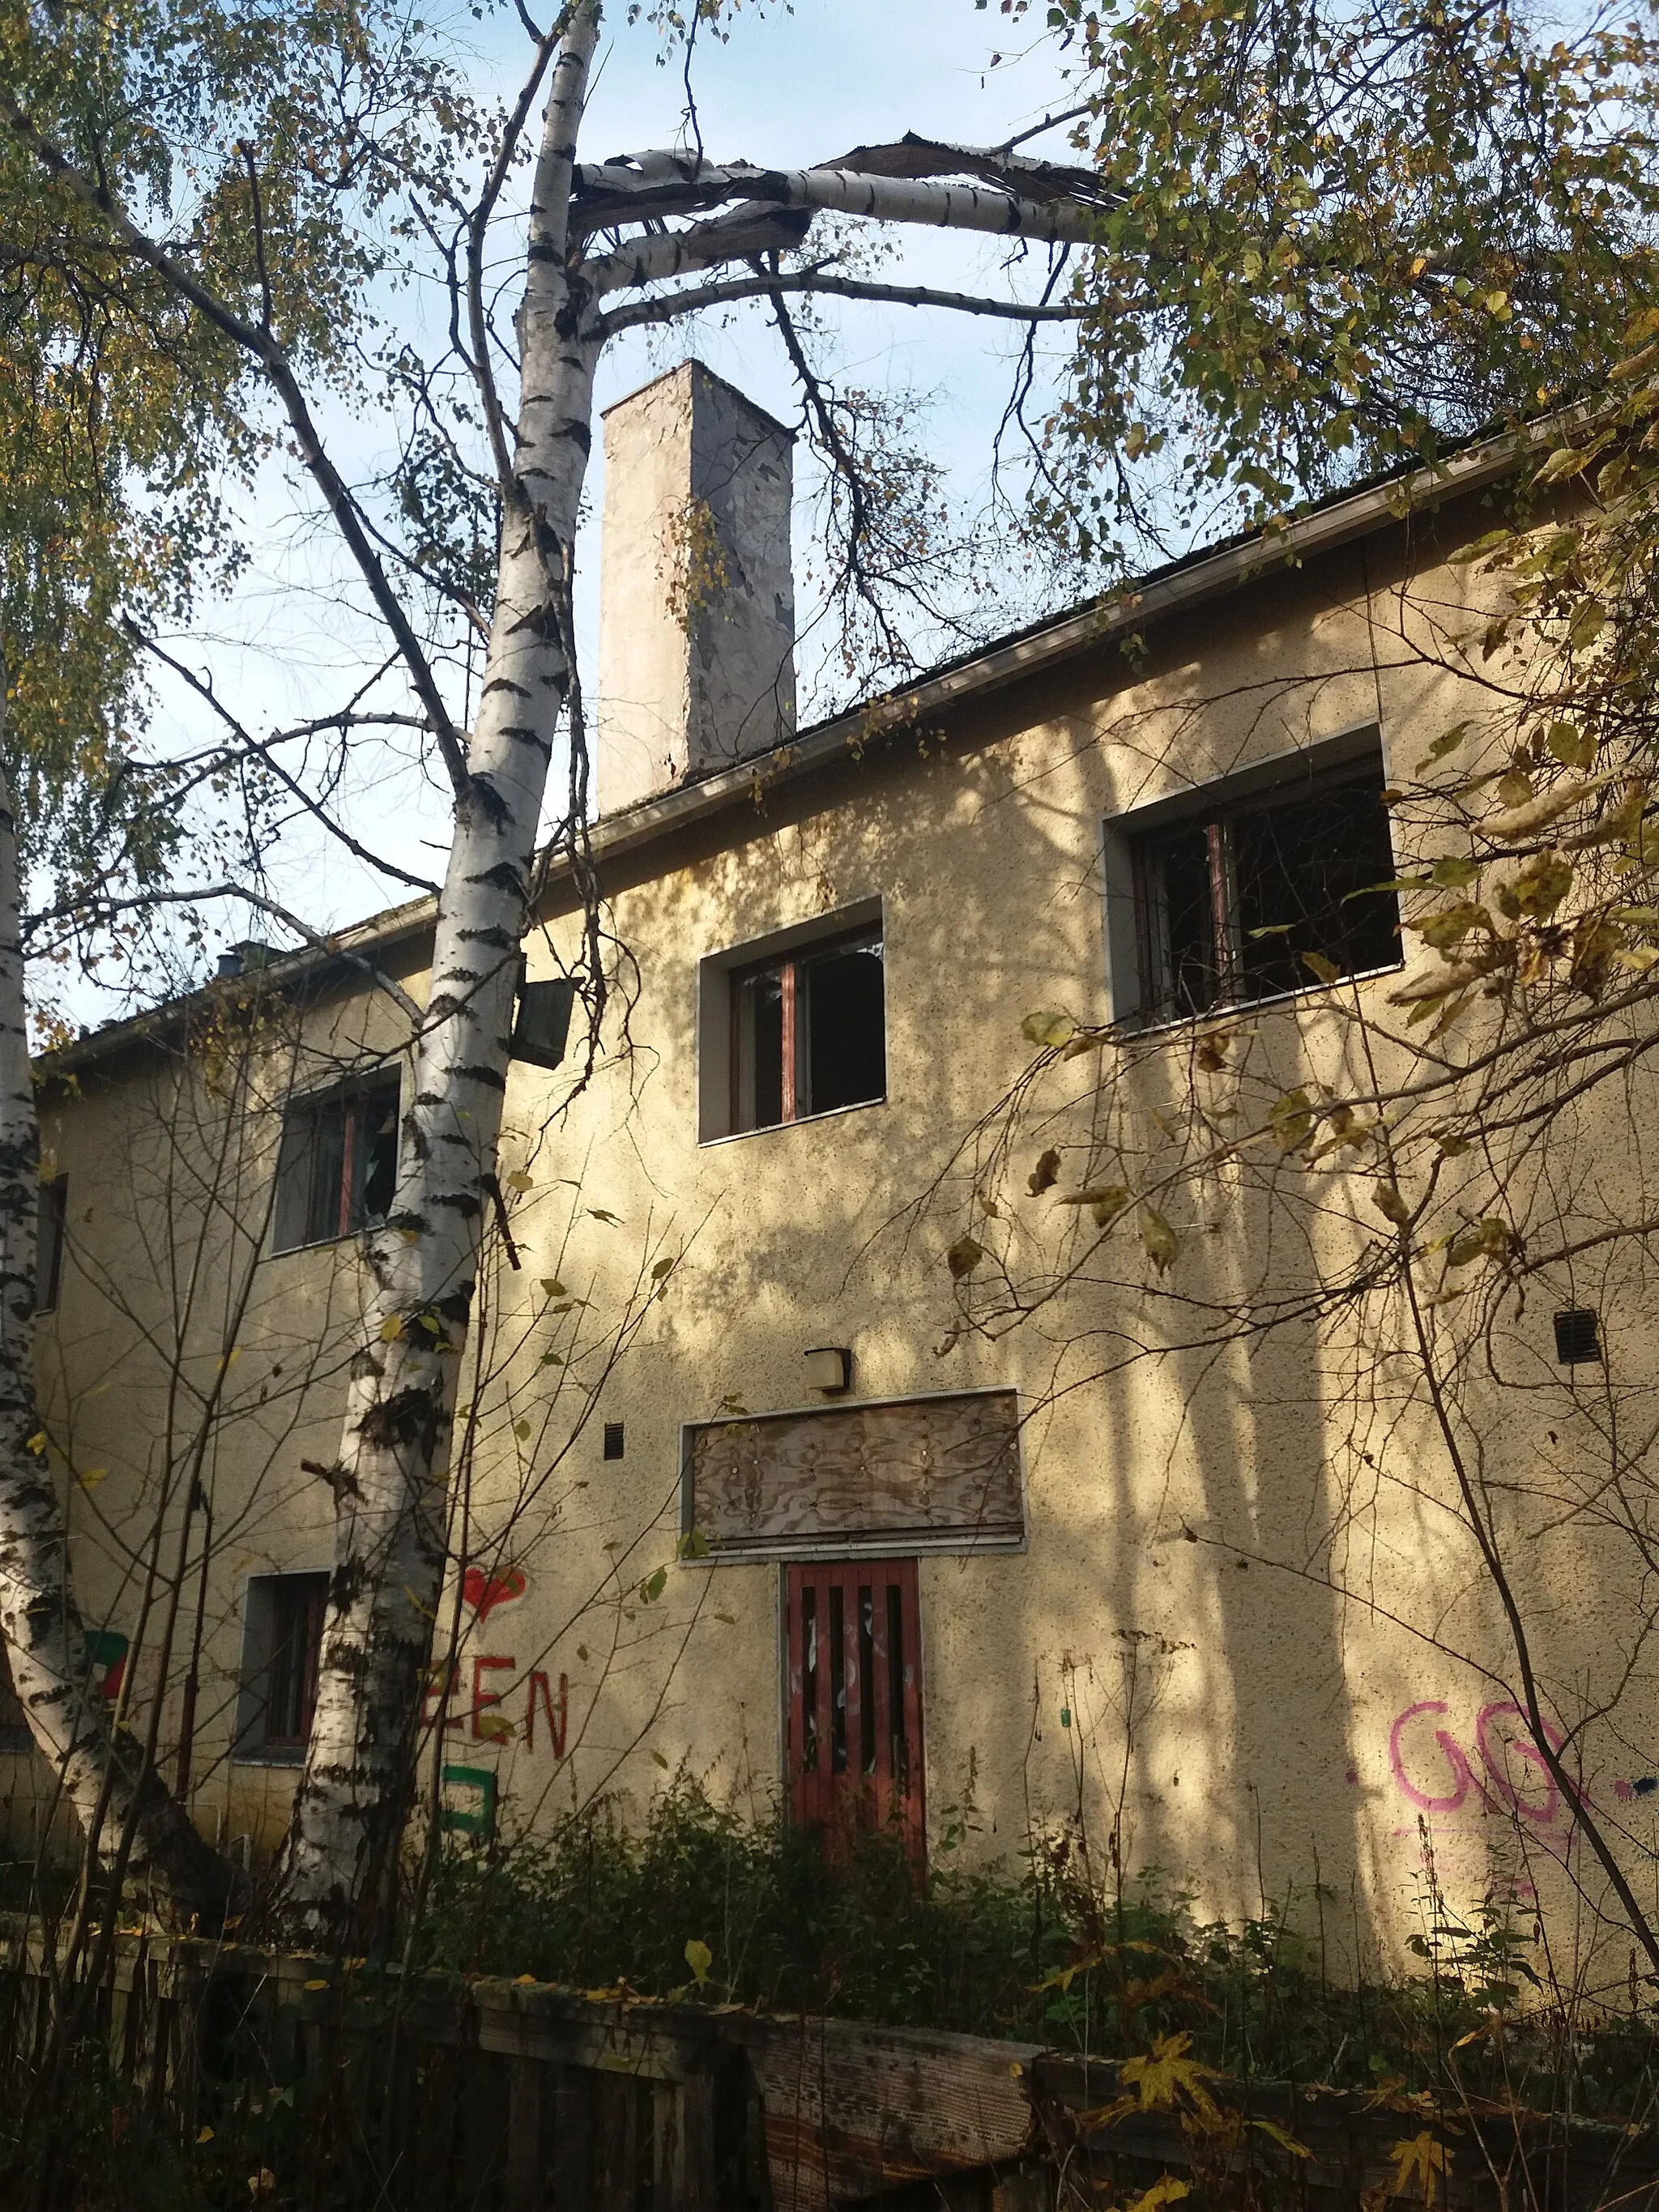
790	86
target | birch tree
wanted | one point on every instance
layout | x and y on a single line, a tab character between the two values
1137	254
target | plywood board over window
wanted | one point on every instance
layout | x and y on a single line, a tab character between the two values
897	1474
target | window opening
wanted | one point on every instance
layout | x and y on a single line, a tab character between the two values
1234	901
284	1640
51	1222
338	1169
1578	1337
808	1033
853	1691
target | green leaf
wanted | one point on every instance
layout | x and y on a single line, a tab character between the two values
1048	1027
700	1959
1484	1240
1290	1119
1447	742
1160	1241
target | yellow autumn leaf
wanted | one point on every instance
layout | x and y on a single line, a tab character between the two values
318	1985
1421	2160
1165	2073
700	1959
392	1329
493	1728
203	2135
37	1443
1489	1239
1290	1119
1284	2142
1048	1026
1166	2190
92	1476
518	1181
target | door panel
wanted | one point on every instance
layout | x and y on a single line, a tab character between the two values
852	1732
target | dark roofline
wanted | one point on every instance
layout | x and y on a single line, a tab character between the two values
1191	581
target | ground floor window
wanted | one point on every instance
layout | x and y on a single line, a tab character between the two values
282	1640
852	1693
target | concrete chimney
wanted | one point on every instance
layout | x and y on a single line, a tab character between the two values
696	600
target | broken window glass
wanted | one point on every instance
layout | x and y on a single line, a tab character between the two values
339	1166
808	1033
1253	900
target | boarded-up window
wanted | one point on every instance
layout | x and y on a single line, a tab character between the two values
898	1475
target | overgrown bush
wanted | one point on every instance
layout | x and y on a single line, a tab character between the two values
700	1904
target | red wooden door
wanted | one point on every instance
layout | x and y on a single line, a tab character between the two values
854	1727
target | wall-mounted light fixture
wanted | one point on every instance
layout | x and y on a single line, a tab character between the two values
830	1369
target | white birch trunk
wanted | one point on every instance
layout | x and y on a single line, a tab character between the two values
104	1776
390	1553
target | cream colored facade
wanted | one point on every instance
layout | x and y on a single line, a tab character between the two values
1243	1629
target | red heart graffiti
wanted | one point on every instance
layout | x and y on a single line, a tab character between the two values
483	1593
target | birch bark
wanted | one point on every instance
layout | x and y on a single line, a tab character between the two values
390	1555
115	1793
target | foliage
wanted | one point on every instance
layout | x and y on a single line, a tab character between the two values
1040	1955
1340	234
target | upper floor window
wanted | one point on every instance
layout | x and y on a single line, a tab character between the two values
1251	892
808	1031
338	1165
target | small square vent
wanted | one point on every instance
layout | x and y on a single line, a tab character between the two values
613	1438
1578	1337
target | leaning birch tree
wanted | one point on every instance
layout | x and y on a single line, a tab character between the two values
1231	259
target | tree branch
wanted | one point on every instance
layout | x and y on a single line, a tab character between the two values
896	182
666	309
838	191
266	749
273	360
104	908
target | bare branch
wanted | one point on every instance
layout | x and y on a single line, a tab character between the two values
666	307
273	360
265	749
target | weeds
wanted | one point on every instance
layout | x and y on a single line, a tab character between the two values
1036	1954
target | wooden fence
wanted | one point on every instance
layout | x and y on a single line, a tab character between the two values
501	2096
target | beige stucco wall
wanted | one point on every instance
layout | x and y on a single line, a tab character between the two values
1242	1574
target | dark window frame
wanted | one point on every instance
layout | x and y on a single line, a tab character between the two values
282	1649
51	1228
308	1211
795	1076
1239	966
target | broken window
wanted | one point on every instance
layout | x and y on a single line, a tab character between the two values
339	1166
808	1032
49	1243
1277	892
282	1643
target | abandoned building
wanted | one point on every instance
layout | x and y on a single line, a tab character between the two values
744	1491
